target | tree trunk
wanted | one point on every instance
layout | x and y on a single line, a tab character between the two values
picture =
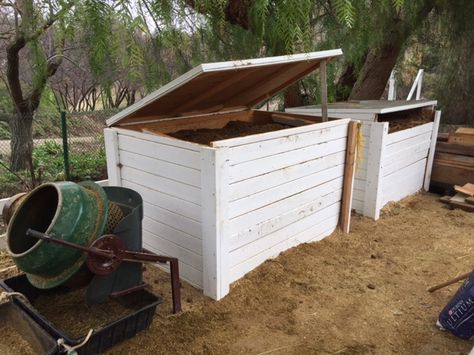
21	143
293	96
375	73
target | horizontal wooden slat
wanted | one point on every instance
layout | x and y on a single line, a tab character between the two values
163	185
273	224
186	272
233	142
239	255
169	248
266	197
405	157
263	182
268	164
270	147
159	139
408	133
188	158
172	204
161	168
172	235
396	147
277	208
173	220
315	232
403	182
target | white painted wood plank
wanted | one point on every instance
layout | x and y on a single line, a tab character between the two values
310	111
277	208
403	174
429	162
161	168
405	157
358	205
214	181
316	232
173	235
361	173
248	235
397	146
165	186
409	133
268	164
188	158
274	194
172	204
359	184
185	255
163	140
370	106
358	194
186	272
247	251
233	142
373	187
271	147
404	182
176	221
113	157
263	182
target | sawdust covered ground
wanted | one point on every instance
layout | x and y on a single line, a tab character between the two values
363	293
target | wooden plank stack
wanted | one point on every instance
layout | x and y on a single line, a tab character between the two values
464	198
454	158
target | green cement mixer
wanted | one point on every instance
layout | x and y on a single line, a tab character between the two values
83	234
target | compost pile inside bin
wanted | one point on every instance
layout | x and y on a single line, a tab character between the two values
12	342
232	129
71	314
398	121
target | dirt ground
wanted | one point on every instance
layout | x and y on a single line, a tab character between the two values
231	130
362	293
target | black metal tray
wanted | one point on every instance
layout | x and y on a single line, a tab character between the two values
102	339
38	339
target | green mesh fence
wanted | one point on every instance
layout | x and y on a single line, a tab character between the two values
85	143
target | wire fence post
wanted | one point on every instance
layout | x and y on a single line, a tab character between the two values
65	145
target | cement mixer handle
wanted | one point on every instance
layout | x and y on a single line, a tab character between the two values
49	238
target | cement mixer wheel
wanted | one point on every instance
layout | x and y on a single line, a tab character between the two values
102	265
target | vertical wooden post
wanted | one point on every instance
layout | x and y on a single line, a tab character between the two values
373	184
214	187
348	181
113	159
324	90
431	152
67	170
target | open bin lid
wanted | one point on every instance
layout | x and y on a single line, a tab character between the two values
224	86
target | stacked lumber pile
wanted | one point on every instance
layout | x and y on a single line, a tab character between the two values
463	199
454	158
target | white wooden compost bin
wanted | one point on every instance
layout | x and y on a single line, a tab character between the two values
392	165
224	208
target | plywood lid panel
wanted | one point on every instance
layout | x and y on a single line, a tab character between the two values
224	86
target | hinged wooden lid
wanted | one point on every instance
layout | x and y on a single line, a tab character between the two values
224	86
